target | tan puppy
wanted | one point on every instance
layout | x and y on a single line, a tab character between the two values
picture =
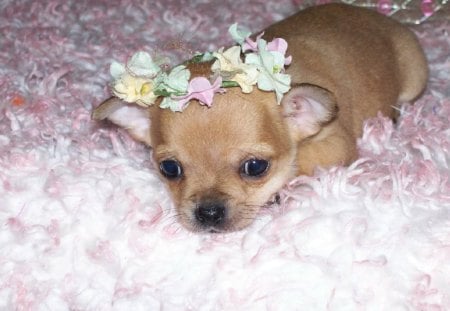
222	164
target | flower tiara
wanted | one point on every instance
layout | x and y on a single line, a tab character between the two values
244	65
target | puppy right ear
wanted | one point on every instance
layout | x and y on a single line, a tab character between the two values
308	108
133	118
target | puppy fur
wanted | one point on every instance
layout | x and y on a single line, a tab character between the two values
348	64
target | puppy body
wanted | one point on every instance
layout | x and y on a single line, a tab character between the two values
367	61
348	64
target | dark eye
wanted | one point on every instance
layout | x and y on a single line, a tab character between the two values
254	167
170	169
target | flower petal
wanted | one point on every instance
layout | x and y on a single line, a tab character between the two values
117	70
247	79
252	59
141	64
250	45
202	90
174	105
178	79
278	45
288	60
199	84
280	84
134	89
238	34
233	55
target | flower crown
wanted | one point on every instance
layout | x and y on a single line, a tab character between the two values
246	64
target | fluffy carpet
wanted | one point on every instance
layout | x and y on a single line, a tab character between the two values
87	225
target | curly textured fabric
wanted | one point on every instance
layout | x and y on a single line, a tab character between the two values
87	225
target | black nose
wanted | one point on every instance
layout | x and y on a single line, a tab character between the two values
210	214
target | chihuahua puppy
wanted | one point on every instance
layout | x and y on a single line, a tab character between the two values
223	163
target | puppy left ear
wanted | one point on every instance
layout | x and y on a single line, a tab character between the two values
308	108
133	118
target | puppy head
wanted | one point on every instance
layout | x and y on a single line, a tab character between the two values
222	164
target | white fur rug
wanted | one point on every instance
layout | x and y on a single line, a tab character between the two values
87	225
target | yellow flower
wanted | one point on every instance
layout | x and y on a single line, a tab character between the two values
135	90
231	68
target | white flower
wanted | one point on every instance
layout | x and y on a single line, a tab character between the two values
135	81
271	70
230	66
135	90
141	64
174	84
176	81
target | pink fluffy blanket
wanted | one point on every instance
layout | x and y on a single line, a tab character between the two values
87	225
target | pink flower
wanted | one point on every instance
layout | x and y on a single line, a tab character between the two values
202	90
250	45
276	45
279	45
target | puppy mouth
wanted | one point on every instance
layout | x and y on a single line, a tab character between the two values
274	200
215	231
216	216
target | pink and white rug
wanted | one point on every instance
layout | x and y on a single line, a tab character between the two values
87	225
